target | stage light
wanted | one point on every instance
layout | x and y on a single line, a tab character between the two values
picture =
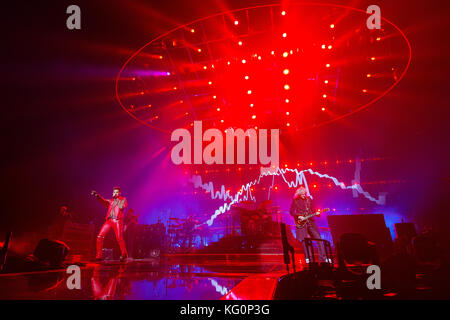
244	61
287	100
199	50
285	54
324	96
287	113
210	83
373	58
253	116
228	62
284	35
291	52
276	188
142	92
236	22
327	65
246	77
364	90
249	92
272	52
221	120
329	47
314	185
326	81
240	43
168	73
160	57
286	71
134	79
283	13
205	67
192	124
286	87
175	88
259	57
149	105
218	109
369	75
214	97
192	30
288	124
332	26
285	165
212	66
251	105
378	39
323	46
323	109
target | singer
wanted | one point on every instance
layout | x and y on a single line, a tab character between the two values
114	219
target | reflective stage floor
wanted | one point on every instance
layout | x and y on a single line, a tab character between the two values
179	277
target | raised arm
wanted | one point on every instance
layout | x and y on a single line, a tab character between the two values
100	198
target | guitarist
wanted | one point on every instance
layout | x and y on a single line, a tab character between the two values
302	205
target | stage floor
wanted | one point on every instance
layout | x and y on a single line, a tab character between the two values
175	277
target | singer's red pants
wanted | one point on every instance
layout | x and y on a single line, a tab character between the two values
116	225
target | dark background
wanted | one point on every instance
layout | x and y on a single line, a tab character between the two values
64	134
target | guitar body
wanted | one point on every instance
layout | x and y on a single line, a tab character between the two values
301	221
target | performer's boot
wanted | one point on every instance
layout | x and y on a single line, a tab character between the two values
98	256
123	250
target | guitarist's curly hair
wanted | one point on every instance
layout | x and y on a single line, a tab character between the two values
299	191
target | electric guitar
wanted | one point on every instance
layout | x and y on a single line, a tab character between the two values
300	221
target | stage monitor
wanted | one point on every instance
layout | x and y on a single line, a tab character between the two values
371	226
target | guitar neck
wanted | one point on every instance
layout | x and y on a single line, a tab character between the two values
311	215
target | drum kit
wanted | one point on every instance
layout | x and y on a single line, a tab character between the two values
185	233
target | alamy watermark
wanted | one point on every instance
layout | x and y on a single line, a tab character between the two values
213	153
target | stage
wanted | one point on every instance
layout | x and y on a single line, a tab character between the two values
225	150
188	277
180	277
